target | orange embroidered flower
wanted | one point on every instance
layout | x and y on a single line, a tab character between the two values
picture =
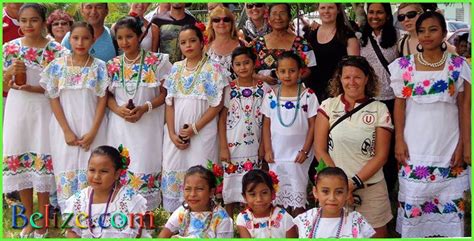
406	91
461	205
451	89
455	171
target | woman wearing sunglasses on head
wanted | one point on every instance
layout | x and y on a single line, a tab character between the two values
408	13
429	89
256	24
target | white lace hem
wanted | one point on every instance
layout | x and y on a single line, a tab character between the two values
287	198
21	181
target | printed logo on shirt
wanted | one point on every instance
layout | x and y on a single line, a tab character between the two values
368	119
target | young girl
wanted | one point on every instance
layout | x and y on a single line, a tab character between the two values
290	111
27	164
195	87
331	219
199	216
76	85
240	126
261	219
104	197
137	116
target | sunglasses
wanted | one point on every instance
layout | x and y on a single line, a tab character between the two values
409	15
257	5
224	19
60	23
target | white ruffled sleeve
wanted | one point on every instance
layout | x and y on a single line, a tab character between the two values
312	102
269	100
49	80
175	219
397	71
363	227
225	228
163	68
240	221
74	206
102	80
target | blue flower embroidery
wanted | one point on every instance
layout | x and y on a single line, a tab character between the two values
408	207
55	69
449	208
130	193
146	67
440	86
146	177
455	75
210	89
197	224
260	92
82	177
188	81
289	105
273	104
444	171
136	68
233	94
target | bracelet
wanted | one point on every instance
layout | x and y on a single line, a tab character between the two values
150	106
305	152
194	129
358	182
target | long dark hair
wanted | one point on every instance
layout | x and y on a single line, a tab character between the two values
389	33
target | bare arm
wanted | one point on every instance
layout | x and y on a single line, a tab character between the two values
321	132
401	148
467	122
121	111
292	233
165	233
267	140
457	158
243	232
155	35
224	152
308	143
207	117
180	144
353	47
137	113
69	136
382	147
71	234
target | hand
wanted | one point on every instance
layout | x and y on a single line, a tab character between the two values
17	67
136	114
269	156
269	80
314	25
25	87
467	155
70	138
123	111
86	140
401	152
301	157
224	154
186	133
457	159
178	142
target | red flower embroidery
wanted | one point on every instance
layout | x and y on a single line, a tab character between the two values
31	54
12	49
248	165
231	168
406	91
232	84
48	55
311	91
436	201
112	68
48	164
151	182
432	177
150	60
305	108
13	163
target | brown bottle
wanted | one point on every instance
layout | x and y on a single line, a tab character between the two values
182	137
130	105
20	79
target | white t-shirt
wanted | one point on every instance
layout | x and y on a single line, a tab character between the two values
354	225
274	226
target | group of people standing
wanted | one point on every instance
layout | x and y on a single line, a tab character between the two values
180	95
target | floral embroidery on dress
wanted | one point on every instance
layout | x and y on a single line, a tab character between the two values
58	76
241	167
429	86
27	162
275	221
200	224
208	84
172	183
431	173
267	58
142	183
151	61
290	104
33	56
70	182
434	206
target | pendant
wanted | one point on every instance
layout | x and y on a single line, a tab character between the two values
130	104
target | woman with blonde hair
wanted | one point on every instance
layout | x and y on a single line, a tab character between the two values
222	36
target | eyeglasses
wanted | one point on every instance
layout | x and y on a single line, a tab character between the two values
218	20
409	15
60	23
257	5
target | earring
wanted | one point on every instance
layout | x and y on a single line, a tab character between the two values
444	46
185	205
419	48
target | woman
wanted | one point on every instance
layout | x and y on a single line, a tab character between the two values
150	35
257	24
279	40
359	145
379	47
26	148
330	42
408	14
222	36
137	116
195	88
428	109
58	24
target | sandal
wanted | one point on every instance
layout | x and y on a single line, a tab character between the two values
37	235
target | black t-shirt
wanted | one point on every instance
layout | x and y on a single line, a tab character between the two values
169	31
327	56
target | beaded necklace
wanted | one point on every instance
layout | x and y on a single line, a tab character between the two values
197	70
91	199
296	107
317	220
131	92
269	222
187	221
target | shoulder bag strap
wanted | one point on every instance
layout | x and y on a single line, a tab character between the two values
379	53
350	113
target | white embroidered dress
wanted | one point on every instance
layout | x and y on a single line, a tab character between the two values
78	89
244	128
144	138
274	226
431	191
287	141
26	145
191	95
